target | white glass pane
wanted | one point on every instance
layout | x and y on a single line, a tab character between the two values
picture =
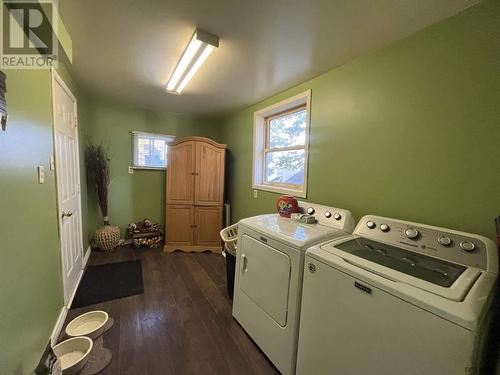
151	151
286	167
143	151
158	155
288	130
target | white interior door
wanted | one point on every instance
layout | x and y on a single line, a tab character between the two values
68	185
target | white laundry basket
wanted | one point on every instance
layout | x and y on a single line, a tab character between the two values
229	235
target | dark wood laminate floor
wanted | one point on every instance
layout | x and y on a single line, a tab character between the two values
182	324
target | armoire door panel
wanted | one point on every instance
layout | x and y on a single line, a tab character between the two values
209	179
180	173
180	224
208	224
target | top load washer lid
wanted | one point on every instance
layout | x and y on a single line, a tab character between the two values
437	276
290	231
435	271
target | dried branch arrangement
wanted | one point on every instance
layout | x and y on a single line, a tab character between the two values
98	176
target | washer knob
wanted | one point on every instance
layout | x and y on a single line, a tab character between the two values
467	246
384	228
311	210
337	216
411	233
444	240
328	214
370	224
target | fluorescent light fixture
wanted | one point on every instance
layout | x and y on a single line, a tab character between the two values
199	48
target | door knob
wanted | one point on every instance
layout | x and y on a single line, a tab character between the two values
66	214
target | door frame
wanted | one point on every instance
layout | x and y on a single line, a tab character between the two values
56	78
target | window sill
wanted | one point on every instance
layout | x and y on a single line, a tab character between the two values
150	168
281	190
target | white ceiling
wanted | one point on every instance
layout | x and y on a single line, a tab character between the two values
128	48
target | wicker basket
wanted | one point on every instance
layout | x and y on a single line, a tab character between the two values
107	237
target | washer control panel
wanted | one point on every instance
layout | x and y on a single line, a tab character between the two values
454	246
329	216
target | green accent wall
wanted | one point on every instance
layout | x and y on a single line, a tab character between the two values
410	131
140	195
30	270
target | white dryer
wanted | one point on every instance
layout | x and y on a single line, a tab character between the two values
269	271
396	298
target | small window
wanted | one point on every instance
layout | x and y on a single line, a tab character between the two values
281	146
150	150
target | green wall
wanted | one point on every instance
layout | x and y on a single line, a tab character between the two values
30	270
30	273
133	197
410	131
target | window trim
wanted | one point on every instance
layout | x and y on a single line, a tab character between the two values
135	136
261	139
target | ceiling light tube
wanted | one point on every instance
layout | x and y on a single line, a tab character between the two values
204	55
199	48
186	59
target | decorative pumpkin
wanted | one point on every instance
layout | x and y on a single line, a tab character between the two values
287	205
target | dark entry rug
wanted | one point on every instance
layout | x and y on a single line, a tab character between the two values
109	281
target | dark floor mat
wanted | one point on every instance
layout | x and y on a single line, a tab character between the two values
109	281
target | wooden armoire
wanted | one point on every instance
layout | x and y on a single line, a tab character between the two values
195	195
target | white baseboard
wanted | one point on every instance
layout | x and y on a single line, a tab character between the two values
58	327
76	288
86	256
64	311
80	275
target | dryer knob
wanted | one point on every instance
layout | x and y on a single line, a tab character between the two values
444	241
384	228
311	210
337	216
370	224
467	246
328	214
411	233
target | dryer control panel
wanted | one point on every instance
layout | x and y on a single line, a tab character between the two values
454	246
338	218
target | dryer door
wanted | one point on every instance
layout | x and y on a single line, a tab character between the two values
265	277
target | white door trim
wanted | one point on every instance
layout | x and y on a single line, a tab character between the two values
85	259
56	331
57	78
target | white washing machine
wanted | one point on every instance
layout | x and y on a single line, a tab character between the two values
396	298
269	271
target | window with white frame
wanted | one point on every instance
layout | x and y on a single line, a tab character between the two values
281	142
150	150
